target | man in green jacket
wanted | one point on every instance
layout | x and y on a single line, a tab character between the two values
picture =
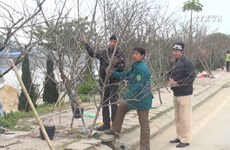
138	97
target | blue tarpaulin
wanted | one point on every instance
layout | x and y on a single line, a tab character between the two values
10	54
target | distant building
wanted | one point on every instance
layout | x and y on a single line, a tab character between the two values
38	58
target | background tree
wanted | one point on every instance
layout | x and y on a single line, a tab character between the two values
50	94
192	5
62	38
27	80
216	45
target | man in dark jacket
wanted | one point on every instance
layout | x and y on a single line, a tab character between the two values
111	90
181	78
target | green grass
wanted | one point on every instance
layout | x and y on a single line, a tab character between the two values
12	118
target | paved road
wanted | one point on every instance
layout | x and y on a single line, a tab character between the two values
211	130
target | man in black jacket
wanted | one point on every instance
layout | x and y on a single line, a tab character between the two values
111	90
181	78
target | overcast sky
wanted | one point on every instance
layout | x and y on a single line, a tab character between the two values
215	14
214	9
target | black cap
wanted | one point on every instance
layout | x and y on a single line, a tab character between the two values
178	46
113	37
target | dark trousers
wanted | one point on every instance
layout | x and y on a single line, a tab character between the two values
143	120
110	96
227	66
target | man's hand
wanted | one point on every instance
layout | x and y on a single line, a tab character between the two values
172	83
108	71
120	101
84	39
115	61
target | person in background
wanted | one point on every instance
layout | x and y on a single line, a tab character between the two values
181	77
227	59
111	90
137	97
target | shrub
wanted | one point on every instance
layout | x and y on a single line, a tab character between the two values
27	80
12	118
87	86
50	94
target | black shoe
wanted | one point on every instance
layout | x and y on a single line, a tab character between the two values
180	145
103	127
111	132
176	140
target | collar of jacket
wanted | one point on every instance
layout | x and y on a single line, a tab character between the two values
110	50
178	59
136	63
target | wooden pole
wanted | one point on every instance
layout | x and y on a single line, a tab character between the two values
32	107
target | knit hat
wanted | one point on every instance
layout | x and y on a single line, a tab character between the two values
113	37
178	46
